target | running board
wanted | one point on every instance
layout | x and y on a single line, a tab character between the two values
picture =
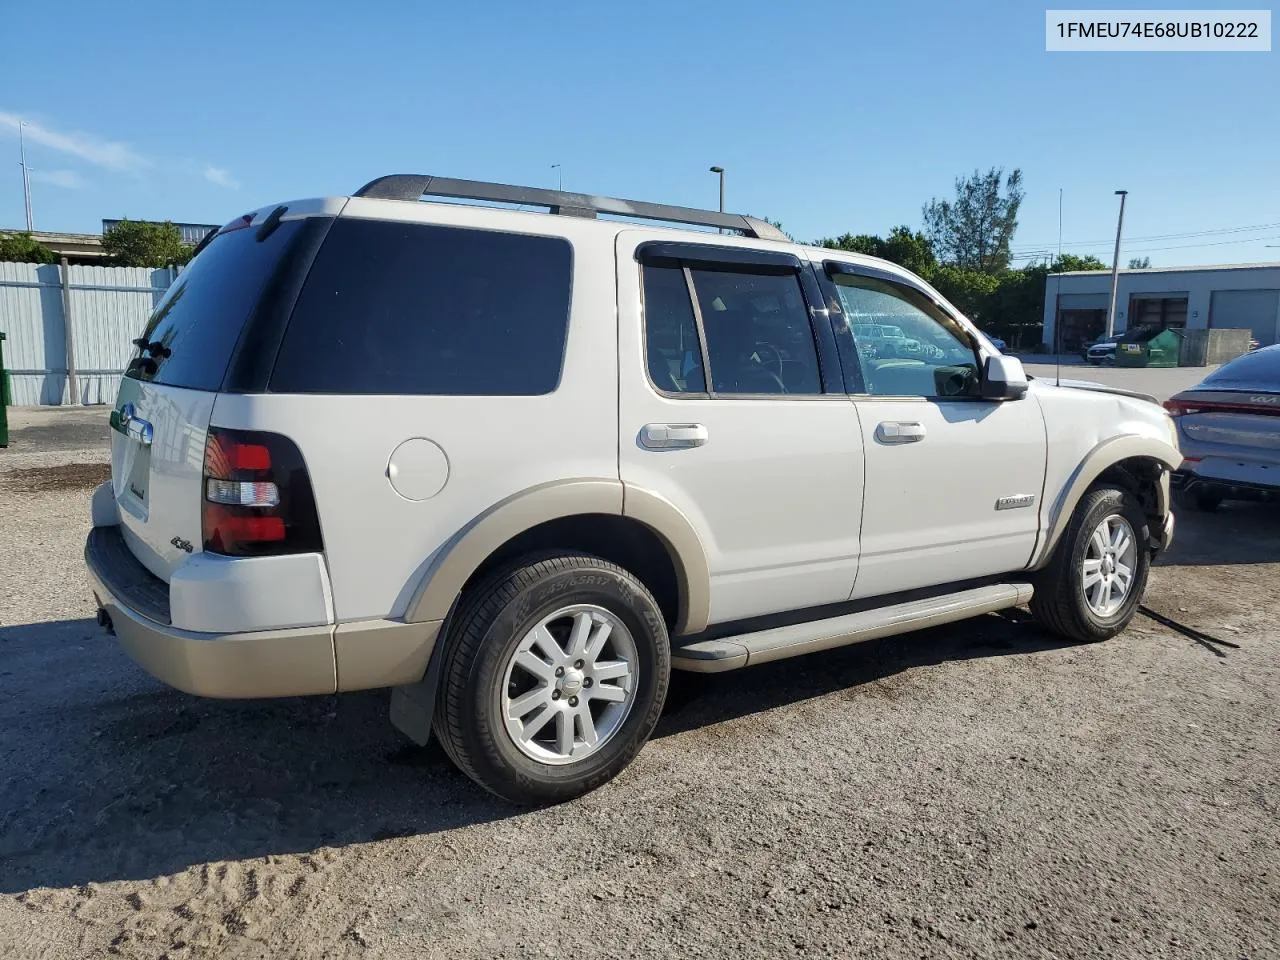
732	653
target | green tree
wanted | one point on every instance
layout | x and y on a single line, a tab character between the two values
864	243
23	248
903	247
138	243
910	250
974	231
1139	263
969	290
1068	262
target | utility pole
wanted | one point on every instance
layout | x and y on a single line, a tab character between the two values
26	174
1115	267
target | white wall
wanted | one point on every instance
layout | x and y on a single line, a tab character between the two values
1196	284
109	307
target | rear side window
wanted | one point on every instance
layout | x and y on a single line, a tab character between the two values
193	331
671	333
402	308
758	332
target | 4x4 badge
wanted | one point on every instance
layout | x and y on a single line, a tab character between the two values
181	544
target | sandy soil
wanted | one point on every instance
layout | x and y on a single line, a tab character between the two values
975	791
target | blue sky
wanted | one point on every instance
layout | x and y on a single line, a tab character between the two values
830	116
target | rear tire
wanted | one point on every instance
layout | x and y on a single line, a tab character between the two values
1093	584
555	673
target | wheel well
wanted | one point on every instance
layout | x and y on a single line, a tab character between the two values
1141	477
621	540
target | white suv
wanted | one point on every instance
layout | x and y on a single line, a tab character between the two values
519	467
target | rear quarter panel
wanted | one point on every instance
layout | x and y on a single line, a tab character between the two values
378	544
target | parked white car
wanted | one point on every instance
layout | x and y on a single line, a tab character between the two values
519	467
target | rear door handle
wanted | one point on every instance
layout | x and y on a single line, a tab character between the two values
673	436
900	431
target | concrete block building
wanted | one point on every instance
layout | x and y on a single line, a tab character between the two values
1233	295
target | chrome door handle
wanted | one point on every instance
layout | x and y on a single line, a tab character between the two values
900	431
673	436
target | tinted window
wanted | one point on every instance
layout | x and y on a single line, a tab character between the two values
671	336
399	308
758	333
906	345
197	324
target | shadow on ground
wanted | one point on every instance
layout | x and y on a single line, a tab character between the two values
44	429
1237	533
132	780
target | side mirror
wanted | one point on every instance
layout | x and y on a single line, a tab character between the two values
1003	378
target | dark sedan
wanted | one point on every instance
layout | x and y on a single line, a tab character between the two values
1229	432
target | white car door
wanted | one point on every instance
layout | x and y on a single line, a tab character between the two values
732	407
953	481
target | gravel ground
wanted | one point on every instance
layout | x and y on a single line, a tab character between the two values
980	790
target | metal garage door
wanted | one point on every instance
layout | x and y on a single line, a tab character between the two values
1255	309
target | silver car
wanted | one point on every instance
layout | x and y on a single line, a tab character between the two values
1229	432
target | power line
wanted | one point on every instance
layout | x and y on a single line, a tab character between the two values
1037	254
1155	237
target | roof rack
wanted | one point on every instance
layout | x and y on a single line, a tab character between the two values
414	186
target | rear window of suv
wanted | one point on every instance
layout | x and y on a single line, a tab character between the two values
404	308
194	328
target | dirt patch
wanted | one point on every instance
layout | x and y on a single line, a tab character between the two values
66	476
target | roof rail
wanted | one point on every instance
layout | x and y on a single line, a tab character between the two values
413	186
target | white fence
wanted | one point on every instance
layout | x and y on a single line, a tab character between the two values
70	328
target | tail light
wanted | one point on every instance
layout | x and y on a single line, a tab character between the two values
257	498
1182	408
1179	408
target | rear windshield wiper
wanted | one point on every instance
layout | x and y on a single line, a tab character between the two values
154	347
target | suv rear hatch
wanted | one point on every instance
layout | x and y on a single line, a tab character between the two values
217	327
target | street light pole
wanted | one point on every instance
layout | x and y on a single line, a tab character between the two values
720	171
1115	267
560	171
26	176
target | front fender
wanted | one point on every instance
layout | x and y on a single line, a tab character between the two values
1102	456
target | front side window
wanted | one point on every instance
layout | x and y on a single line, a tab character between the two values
906	345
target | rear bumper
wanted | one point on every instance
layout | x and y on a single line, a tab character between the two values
296	661
1190	482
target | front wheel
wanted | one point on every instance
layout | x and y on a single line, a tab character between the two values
1092	587
556	672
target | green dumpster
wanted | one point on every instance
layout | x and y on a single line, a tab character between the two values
1148	348
4	397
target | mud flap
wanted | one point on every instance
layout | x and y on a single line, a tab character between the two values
413	705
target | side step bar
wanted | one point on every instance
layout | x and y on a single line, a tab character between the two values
732	653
